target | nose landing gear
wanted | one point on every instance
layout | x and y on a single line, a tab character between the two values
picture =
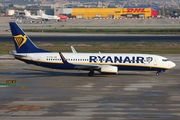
158	72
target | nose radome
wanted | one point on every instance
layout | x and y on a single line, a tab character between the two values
173	64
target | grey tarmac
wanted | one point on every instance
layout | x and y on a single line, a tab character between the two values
44	94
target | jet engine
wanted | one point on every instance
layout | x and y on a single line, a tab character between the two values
107	69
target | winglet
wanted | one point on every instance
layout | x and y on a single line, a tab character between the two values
63	58
73	49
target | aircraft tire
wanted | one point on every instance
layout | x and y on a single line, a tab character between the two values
91	73
157	74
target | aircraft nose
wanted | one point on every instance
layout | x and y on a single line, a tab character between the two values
172	64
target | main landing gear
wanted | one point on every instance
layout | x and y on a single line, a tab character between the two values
91	73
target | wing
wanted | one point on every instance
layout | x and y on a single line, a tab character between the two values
80	66
87	66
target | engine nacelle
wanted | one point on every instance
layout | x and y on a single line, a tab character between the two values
107	69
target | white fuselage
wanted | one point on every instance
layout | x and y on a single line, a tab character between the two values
33	17
50	17
122	61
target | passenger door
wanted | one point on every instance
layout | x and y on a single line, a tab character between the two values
155	61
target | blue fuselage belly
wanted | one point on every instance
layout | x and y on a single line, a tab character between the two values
140	68
49	65
56	65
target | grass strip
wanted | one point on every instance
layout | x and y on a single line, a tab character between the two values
110	31
108	47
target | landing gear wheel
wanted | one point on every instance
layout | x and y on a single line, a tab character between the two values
91	73
157	74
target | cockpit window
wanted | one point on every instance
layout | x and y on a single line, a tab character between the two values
165	60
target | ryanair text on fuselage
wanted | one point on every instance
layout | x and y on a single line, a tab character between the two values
120	59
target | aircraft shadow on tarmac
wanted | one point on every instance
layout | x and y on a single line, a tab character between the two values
50	73
41	73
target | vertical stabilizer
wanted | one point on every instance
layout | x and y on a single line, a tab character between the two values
22	42
27	13
42	13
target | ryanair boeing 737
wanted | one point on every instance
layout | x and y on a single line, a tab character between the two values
109	63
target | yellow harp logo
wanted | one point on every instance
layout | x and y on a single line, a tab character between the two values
20	40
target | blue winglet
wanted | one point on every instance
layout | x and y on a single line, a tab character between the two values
22	42
63	58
